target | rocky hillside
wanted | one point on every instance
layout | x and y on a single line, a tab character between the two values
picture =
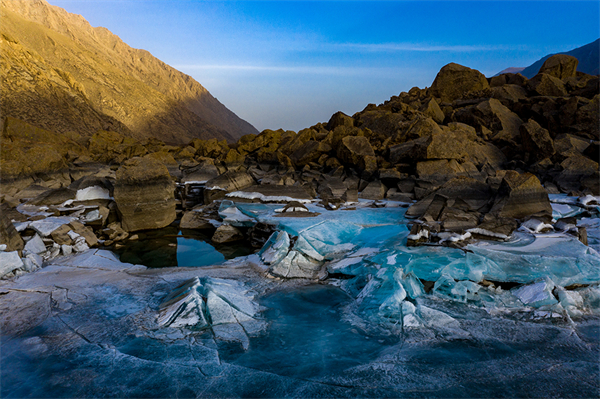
61	74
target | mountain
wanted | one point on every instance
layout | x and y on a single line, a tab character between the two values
61	74
510	70
588	56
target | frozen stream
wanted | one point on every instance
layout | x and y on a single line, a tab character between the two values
390	321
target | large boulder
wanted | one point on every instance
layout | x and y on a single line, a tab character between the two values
521	196
536	140
145	195
339	119
357	151
575	168
560	66
8	234
310	151
445	169
455	81
227	182
547	85
499	119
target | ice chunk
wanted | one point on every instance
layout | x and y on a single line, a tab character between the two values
413	286
487	233
537	294
345	265
453	237
297	265
46	226
537	226
302	245
35	245
276	248
409	319
436	319
9	261
32	262
460	291
329	238
233	216
92	193
588	200
200	303
571	301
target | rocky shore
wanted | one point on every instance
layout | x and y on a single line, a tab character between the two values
471	157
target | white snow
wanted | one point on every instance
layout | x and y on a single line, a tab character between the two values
488	233
92	193
266	198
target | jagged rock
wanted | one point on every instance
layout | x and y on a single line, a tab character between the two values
53	197
339	119
455	81
536	140
227	182
288	147
144	193
499	119
433	110
332	188
567	145
443	170
309	152
575	168
520	196
226	233
547	85
457	220
195	220
560	66
510	93
375	190
586	119
357	151
8	234
201	173
423	127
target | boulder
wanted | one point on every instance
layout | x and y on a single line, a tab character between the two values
8	234
445	169
432	110
53	197
536	140
226	233
521	196
574	169
339	119
195	220
357	151
375	190
499	119
509	93
227	182
423	127
309	152
144	194
560	66
547	85
455	81
567	145
332	188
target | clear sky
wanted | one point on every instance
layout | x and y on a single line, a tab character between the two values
284	64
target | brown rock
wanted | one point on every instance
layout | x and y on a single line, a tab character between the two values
375	190
575	168
433	111
194	220
520	196
547	85
536	140
560	66
226	233
339	119
144	193
455	81
423	127
8	234
357	151
311	151
227	182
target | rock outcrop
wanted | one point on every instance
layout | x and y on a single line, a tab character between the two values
144	193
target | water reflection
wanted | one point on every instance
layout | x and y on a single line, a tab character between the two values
171	246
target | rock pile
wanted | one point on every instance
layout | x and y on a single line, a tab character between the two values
471	156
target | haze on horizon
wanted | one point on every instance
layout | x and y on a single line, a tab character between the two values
283	64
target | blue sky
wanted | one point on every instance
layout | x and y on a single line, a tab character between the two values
285	64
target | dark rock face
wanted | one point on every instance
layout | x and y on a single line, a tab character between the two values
520	196
536	140
560	66
227	182
454	81
547	85
357	151
9	235
144	193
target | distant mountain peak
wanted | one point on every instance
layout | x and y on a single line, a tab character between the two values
118	87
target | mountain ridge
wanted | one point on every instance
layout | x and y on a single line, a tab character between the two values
146	95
